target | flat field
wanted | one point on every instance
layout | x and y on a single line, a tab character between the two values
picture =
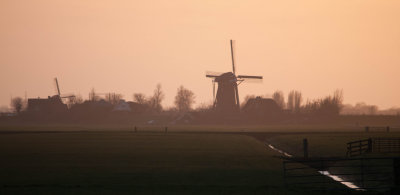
118	160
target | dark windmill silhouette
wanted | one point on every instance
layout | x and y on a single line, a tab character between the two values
227	97
50	106
59	94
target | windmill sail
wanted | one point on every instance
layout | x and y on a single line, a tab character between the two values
58	88
249	77
233	59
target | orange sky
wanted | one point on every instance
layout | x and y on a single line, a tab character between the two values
130	46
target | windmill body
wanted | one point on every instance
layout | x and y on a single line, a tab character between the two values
227	97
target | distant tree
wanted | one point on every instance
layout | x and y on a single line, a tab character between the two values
93	96
113	98
338	98
17	104
73	100
205	107
358	109
184	99
328	106
155	101
297	101
290	101
294	101
140	98
372	110
279	99
311	106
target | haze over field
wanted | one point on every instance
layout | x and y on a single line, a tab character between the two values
130	46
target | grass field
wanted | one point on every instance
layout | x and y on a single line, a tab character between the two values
195	160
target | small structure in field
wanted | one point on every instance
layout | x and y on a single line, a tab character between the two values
122	106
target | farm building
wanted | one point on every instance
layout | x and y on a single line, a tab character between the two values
51	105
261	106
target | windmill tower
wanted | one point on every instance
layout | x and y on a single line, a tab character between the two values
227	98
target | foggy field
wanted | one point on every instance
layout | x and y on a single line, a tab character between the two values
302	128
94	162
67	159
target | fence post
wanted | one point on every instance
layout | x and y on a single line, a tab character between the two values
349	149
387	129
366	128
284	174
135	129
369	150
396	172
166	129
305	147
362	173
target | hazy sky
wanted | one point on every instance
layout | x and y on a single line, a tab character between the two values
315	46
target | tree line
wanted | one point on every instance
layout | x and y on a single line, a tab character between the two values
184	100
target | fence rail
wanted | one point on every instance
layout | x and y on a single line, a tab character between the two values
379	174
386	145
378	145
359	147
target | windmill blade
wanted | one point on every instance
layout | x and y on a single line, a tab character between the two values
211	74
58	88
68	96
249	77
252	80
233	59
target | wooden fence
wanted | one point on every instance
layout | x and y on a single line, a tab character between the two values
359	147
370	174
386	145
377	145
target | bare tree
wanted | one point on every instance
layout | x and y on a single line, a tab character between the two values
155	101
279	99
372	110
17	104
140	98
338	98
294	101
184	99
297	101
113	98
73	100
328	106
290	101
93	96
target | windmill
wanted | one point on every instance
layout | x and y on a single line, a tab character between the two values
59	94
227	97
